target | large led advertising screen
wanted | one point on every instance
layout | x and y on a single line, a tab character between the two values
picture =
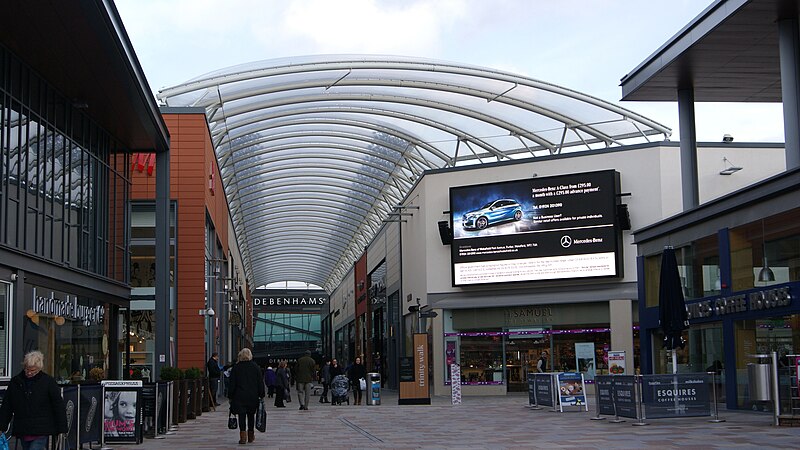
549	228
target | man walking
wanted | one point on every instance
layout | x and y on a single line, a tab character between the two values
303	375
214	372
325	379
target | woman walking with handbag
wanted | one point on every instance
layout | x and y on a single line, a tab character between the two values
357	372
246	391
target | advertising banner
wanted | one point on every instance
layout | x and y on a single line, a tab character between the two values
571	391
544	228
605	400
624	393
417	391
70	395
797	369
449	356
679	395
544	389
584	359
616	362
455	384
121	410
91	413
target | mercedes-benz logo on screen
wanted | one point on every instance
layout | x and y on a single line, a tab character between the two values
566	241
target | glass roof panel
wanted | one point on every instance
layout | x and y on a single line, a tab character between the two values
304	140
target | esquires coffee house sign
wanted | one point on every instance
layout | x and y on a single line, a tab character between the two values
754	301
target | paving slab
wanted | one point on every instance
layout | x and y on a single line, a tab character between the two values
504	422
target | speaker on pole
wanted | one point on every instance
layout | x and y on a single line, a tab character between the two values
445	232
623	216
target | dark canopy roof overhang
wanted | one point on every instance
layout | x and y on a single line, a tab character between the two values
82	49
728	53
316	152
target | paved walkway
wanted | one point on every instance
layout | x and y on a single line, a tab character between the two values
478	423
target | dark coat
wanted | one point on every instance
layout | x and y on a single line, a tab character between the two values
335	371
304	370
282	378
326	377
357	371
37	410
212	366
269	377
246	388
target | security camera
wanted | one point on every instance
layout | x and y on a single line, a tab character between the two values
727	138
210	312
13	277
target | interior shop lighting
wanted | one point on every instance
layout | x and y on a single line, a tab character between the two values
765	274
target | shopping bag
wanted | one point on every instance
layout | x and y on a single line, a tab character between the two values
233	423
261	417
3	441
362	383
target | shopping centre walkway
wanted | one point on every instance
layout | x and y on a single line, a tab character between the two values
478	423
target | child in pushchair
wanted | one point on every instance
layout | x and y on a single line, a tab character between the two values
340	386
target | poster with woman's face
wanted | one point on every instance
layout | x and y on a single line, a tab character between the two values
119	415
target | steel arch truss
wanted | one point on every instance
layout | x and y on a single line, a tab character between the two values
316	151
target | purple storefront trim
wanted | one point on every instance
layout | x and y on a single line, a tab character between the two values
524	333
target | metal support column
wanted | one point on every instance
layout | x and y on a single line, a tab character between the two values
162	263
789	45
686	123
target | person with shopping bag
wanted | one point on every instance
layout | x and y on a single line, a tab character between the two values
246	392
33	401
356	374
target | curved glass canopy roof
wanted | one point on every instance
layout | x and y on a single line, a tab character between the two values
316	151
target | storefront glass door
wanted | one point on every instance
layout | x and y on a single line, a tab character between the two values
522	355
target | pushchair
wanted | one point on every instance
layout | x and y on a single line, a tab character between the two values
339	390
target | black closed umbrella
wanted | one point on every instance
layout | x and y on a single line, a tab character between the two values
671	305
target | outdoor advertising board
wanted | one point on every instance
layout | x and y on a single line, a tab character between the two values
624	392
549	228
679	395
122	408
544	389
571	390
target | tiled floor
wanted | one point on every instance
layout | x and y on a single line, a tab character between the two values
478	423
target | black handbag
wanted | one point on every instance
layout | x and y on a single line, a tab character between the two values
261	417
233	423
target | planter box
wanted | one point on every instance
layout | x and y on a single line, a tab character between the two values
182	400
191	393
206	395
199	389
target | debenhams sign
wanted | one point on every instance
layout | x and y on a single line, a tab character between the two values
289	301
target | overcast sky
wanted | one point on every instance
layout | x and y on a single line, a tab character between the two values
586	45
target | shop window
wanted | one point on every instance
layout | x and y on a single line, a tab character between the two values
698	266
73	343
704	352
565	358
652	269
481	359
779	334
766	251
